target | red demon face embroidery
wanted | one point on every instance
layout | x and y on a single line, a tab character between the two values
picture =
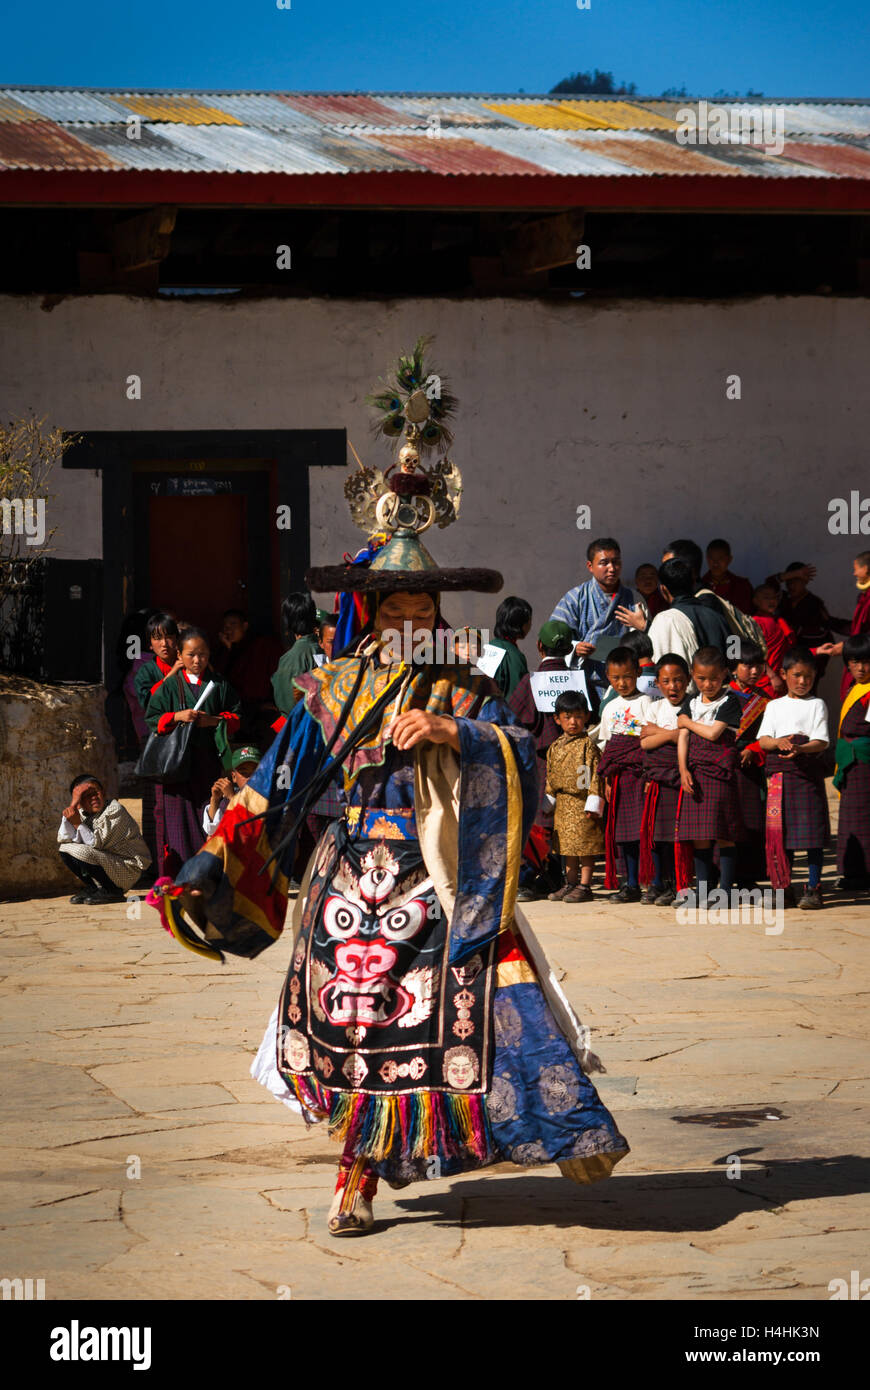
365	939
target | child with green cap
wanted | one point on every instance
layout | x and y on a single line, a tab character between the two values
243	765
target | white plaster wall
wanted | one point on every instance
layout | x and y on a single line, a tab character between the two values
620	406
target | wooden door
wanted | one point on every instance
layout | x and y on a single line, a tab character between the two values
198	560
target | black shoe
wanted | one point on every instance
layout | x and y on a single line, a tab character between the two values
626	895
79	898
651	893
99	899
812	899
666	896
528	895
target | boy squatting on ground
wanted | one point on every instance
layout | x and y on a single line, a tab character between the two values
572	778
100	843
793	732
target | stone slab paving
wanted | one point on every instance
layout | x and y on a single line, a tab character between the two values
125	1055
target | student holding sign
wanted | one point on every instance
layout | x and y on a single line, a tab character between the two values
572	779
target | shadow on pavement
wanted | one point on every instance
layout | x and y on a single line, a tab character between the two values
683	1201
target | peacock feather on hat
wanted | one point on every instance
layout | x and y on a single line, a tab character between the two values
415	401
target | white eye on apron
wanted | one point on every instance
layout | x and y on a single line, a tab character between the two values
403	922
341	918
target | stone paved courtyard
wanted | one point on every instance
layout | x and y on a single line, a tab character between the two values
124	1053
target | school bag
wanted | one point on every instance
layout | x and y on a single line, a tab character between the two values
740	623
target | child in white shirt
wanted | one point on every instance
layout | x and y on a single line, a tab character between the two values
793	732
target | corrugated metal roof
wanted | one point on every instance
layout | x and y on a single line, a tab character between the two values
461	134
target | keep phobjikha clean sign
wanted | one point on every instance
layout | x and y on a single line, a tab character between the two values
547	686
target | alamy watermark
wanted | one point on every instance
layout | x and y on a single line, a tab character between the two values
24	516
25	1289
77	1343
849	516
735	124
739	907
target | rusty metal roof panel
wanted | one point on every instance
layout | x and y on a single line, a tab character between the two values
349	110
649	154
44	145
448	153
67	105
827	157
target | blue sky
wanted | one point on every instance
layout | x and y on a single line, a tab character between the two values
772	46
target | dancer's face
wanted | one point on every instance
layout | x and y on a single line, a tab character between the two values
397	609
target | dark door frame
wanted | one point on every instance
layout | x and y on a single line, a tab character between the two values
115	452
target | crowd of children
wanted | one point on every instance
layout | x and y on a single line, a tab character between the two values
691	748
694	754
